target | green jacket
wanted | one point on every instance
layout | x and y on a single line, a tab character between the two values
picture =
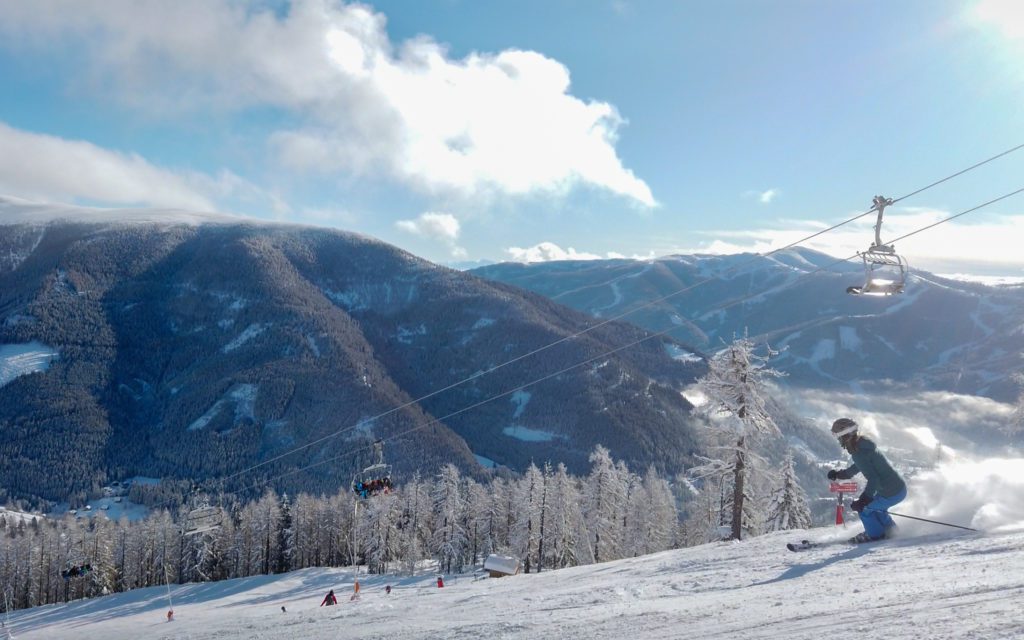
882	478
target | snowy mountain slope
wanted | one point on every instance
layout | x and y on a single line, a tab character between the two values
941	334
193	347
925	585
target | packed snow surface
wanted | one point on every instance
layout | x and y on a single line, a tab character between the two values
23	359
929	583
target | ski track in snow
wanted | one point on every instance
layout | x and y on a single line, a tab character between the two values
22	359
936	586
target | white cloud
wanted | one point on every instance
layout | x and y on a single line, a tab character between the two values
984	242
764	197
438	226
547	252
46	167
471	126
1005	15
982	494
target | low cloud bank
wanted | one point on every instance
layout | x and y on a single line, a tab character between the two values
983	494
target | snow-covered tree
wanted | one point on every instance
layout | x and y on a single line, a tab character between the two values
788	509
604	498
530	495
448	541
378	531
479	518
736	388
415	522
285	538
659	518
565	531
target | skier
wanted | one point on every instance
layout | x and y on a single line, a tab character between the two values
440	581
329	599
387	589
885	487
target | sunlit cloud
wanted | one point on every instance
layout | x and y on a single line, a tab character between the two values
1005	15
547	252
49	168
764	197
486	123
982	494
986	241
437	226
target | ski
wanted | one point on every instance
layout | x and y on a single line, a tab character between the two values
803	545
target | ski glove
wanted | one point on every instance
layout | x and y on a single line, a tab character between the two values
833	474
861	503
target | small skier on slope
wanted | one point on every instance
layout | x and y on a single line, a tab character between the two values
885	487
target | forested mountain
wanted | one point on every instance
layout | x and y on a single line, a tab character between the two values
193	349
940	335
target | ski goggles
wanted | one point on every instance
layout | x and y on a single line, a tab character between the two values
845	431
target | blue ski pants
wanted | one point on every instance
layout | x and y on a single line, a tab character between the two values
875	516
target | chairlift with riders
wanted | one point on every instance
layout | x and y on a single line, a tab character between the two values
375	478
78	564
202	517
885	271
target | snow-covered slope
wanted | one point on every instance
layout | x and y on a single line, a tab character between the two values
23	359
923	585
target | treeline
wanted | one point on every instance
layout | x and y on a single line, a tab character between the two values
546	518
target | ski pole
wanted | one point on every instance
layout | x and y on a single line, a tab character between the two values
945	524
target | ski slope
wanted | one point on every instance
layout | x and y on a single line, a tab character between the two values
928	583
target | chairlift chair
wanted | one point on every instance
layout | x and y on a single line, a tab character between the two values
885	272
202	519
202	516
375	478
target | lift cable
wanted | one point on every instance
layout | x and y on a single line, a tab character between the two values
590	328
634	343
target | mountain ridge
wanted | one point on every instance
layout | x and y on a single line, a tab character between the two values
941	334
196	351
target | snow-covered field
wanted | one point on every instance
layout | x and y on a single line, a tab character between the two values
928	583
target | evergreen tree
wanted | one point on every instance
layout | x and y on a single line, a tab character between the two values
789	508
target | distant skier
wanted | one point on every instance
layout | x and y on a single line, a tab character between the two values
440	581
329	599
885	487
387	589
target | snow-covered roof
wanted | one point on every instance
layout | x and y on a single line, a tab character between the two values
501	564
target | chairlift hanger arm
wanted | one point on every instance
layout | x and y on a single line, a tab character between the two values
879	204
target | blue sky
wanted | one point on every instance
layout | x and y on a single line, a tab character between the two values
466	131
